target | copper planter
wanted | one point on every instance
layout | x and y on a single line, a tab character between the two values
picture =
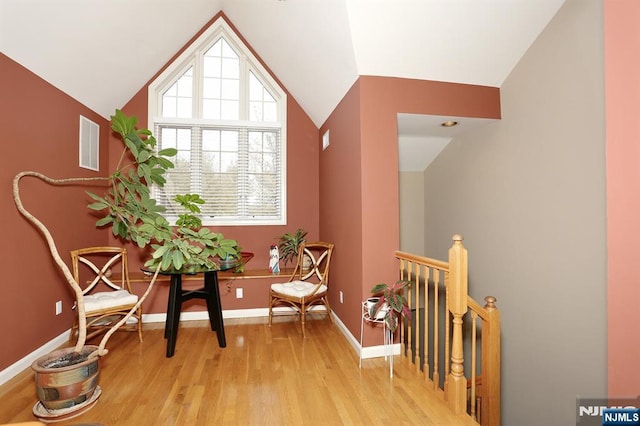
65	379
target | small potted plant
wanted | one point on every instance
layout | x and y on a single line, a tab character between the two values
391	304
288	244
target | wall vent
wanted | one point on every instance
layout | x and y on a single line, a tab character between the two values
89	144
325	140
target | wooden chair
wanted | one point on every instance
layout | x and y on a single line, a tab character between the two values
106	301
308	285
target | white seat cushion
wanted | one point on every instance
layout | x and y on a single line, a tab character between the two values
108	299
297	288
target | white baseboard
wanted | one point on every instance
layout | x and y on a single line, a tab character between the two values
380	351
347	334
232	313
368	352
19	366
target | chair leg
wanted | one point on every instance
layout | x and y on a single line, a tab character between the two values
73	332
326	303
303	314
270	309
140	324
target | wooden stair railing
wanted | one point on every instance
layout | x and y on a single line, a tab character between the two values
485	388
444	324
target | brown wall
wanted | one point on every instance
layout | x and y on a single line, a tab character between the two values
622	36
356	197
40	132
302	202
302	211
359	177
40	127
341	206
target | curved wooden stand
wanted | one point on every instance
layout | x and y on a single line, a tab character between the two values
99	351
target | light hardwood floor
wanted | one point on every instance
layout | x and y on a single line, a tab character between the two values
265	376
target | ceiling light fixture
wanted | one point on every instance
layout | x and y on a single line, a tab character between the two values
449	123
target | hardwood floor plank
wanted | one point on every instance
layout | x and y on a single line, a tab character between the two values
265	376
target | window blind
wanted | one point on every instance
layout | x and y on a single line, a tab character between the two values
235	169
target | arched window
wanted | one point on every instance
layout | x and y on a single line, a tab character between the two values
226	116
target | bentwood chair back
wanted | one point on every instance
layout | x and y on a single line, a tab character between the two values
102	273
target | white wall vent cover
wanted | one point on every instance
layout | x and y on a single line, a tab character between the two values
89	144
325	140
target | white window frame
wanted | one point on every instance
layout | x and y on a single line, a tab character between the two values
190	57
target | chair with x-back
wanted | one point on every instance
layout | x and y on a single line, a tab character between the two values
308	285
103	274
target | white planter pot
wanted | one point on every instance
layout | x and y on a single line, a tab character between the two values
382	312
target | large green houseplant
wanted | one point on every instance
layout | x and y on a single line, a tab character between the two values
128	209
134	216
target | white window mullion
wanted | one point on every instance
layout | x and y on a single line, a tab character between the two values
244	90
197	86
196	160
243	164
242	181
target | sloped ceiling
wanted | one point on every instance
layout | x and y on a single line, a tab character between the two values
101	52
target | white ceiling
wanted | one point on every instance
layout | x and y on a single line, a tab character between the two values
422	137
101	52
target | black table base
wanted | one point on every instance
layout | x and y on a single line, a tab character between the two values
210	293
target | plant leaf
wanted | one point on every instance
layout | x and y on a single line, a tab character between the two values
178	259
104	221
168	152
98	206
378	288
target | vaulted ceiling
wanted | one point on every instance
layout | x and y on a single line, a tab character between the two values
101	52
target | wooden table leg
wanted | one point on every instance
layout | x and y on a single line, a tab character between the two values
170	305
214	306
173	313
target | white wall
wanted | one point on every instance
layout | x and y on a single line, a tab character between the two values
411	196
528	195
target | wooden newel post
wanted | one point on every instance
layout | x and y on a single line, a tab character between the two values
458	288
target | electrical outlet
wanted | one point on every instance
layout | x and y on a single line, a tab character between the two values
58	307
239	293
341	297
